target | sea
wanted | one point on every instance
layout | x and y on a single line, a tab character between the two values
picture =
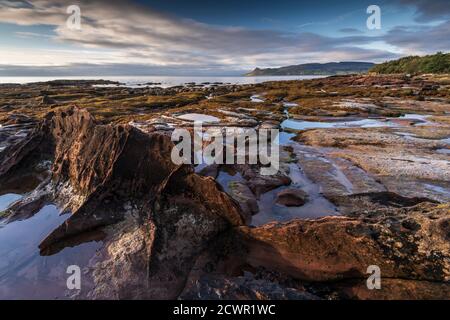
161	81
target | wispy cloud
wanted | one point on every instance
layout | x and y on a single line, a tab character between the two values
24	34
121	33
420	39
429	10
350	30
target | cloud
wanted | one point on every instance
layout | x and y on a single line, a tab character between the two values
15	4
429	10
121	33
24	34
350	30
420	39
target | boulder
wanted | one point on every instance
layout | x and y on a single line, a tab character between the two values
260	184
292	197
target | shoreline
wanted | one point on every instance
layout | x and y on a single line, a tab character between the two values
363	180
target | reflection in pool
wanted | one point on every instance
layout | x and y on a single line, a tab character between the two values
341	123
226	177
198	117
24	273
305	125
256	99
285	137
316	207
8	199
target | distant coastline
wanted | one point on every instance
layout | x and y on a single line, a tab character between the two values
161	81
331	68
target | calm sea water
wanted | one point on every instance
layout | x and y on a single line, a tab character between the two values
166	81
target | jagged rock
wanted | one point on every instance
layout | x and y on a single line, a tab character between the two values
119	159
162	251
20	154
170	213
292	197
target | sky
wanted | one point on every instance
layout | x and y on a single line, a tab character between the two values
229	37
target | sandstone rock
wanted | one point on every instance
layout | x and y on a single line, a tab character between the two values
404	165
105	165
245	197
157	220
394	289
263	184
119	180
292	197
153	259
347	246
371	203
260	184
242	288
19	154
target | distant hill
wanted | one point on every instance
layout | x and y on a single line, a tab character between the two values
331	68
436	63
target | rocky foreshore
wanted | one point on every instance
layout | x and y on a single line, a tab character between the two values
364	180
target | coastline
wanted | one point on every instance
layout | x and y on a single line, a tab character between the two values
358	205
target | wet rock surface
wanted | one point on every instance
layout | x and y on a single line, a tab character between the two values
242	288
292	197
363	181
410	245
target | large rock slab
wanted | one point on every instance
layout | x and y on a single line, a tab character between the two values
408	244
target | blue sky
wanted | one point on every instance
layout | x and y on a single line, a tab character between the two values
170	37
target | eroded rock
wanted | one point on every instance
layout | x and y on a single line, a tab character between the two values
407	244
119	180
292	197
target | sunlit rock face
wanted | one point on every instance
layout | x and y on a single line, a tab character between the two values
107	174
